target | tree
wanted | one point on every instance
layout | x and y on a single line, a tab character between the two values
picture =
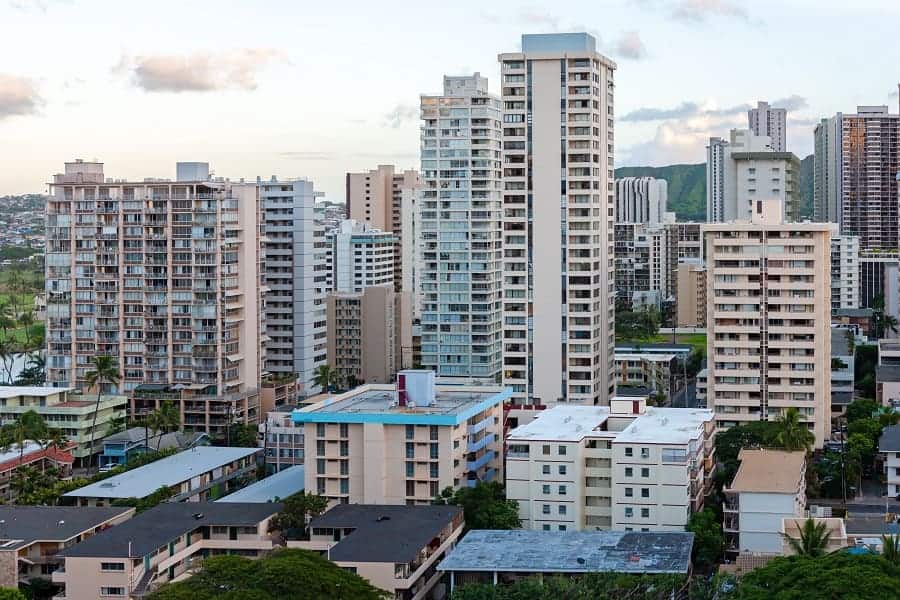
884	322
593	586
163	419
484	506
863	408
814	538
7	358
890	549
26	321
326	378
34	372
105	371
792	434
709	543
286	574
11	594
296	513
241	435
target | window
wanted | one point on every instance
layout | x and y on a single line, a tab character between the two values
562	469
645	452
433	470
410	469
562	450
410	432
545	469
345	486
345	430
629	451
676	455
433	432
410	450
320	447
645	492
546	527
562	509
112	566
545	509
112	591
645	529
320	429
546	450
320	466
562	528
410	487
645	472
345	448
546	489
629	472
629	512
562	490
629	492
645	513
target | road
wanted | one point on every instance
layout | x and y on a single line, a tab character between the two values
678	400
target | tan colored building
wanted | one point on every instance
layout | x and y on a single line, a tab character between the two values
362	334
163	275
64	409
691	299
161	545
403	444
769	320
281	440
31	537
396	548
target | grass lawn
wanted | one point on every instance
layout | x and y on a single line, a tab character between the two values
697	340
17	335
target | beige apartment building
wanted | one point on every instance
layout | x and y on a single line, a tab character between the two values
362	334
691	299
558	212
166	277
163	544
402	444
769	319
623	467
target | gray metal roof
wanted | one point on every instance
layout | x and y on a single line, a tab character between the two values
276	486
26	524
840	344
890	439
571	552
154	528
841	398
853	312
173	439
887	373
384	533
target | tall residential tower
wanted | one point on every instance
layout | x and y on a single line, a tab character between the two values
769	121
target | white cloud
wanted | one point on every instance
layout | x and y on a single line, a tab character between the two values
199	72
18	96
400	114
630	46
700	10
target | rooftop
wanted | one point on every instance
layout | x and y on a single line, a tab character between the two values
563	422
871	526
890	439
853	312
156	527
276	486
14	391
656	347
558	42
385	533
169	471
571	552
840	343
651	356
773	471
841	398
378	404
633	391
887	373
22	525
666	425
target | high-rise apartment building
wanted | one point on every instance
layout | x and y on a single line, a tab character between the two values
691	300
641	200
771	122
295	281
558	203
166	277
358	256
744	169
856	175
363	346
769	320
459	229
845	270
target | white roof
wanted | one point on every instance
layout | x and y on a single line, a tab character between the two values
275	487
13	452
169	471
14	391
666	426
651	356
562	423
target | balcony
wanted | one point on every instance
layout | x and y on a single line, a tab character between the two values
474	465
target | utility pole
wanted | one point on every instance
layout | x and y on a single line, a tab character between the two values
843	469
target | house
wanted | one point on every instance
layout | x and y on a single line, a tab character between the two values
395	547
889	447
31	536
843	364
121	447
887	385
36	456
275	487
837	534
281	439
196	475
768	488
501	557
163	544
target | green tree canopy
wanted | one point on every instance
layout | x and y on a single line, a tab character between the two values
709	543
593	586
813	540
296	513
863	408
287	574
484	506
11	594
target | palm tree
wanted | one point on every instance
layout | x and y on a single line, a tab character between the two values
105	371
851	341
7	359
792	434
326	378
163	419
53	439
26	321
814	538
890	548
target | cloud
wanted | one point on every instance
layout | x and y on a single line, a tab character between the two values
530	16
894	94
308	155
199	72
685	110
29	5
671	144
630	46
312	155
803	121
400	114
18	96
794	102
700	10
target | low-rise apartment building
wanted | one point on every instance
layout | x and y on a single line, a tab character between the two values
281	439
64	409
769	487
161	545
36	456
126	445
397	548
32	536
624	467
403	444
889	447
196	475
651	369
199	407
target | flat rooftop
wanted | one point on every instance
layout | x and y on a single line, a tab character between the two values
378	404
169	471
23	525
571	552
655	347
156	527
769	471
887	373
384	533
666	426
651	356
563	423
890	439
26	390
840	342
273	488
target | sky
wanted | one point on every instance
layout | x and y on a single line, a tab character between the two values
315	89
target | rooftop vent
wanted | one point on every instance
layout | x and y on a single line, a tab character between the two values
381	518
198	516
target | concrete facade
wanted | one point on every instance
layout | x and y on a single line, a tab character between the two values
769	121
691	299
844	272
641	200
363	345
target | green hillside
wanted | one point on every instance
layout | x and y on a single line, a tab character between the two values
687	187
